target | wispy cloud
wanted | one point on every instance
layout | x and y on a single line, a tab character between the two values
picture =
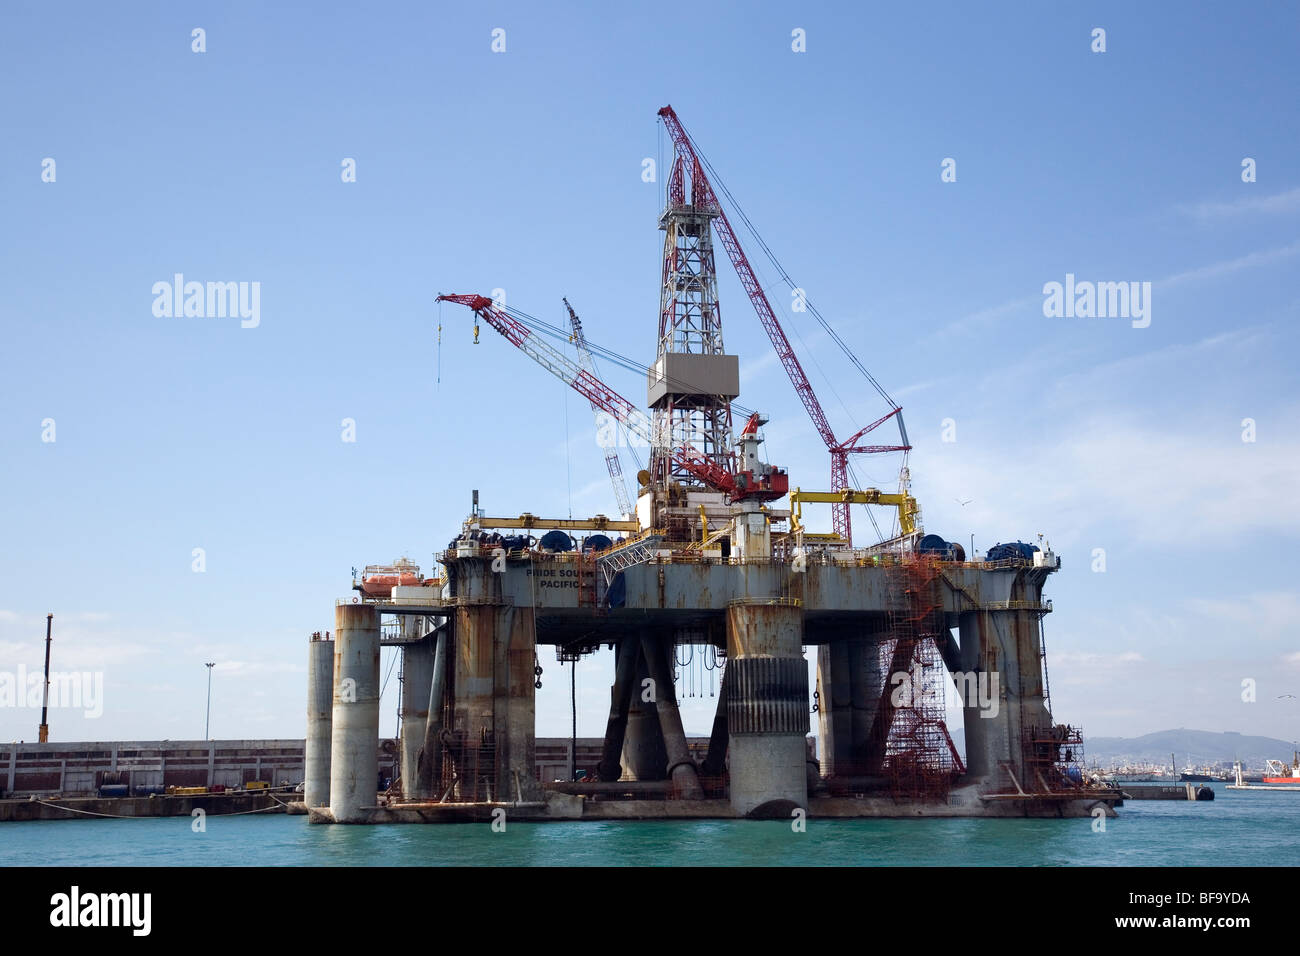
982	318
1109	473
1228	266
1285	202
1269	615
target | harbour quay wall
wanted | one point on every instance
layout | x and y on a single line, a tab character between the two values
79	768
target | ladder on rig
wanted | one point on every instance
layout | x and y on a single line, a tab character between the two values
638	552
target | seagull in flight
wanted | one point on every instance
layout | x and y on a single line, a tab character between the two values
963	503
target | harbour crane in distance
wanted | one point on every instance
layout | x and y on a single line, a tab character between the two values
611	453
703	193
753	484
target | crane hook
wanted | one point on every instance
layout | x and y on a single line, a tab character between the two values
476	333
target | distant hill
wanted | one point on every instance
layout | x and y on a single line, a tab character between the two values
1197	746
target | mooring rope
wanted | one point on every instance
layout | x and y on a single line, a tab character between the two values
118	816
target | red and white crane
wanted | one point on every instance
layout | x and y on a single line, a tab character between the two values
764	483
703	193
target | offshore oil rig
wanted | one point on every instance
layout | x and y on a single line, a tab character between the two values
706	557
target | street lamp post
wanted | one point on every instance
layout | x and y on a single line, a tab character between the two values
207	722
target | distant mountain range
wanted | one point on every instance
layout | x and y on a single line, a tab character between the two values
1188	746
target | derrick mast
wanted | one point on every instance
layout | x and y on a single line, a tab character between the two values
692	381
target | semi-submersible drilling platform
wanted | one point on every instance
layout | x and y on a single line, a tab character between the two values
705	557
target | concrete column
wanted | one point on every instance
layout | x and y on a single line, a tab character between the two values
354	754
473	717
867	683
430	758
495	703
417	678
681	768
715	762
835	708
516	709
320	717
979	659
1002	649
767	708
626	658
644	755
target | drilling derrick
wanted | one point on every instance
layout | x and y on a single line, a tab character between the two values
692	381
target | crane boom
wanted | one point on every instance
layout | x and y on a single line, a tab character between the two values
612	463
604	398
703	194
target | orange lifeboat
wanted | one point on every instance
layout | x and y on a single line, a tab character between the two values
378	580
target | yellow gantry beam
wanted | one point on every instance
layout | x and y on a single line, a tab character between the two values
908	509
527	522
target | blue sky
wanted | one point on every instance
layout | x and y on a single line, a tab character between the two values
521	170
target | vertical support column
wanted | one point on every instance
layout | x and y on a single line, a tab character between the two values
644	755
715	762
430	757
495	703
473	715
515	698
979	659
835	708
417	678
320	722
626	657
354	754
1028	709
681	768
1001	647
767	708
867	683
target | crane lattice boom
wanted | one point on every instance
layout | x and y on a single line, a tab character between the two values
604	398
702	194
612	463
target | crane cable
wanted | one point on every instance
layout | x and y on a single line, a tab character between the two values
624	362
771	256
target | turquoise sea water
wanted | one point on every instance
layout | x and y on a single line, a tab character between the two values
1237	829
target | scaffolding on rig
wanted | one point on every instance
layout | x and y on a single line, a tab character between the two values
1054	758
1053	754
469	772
920	760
